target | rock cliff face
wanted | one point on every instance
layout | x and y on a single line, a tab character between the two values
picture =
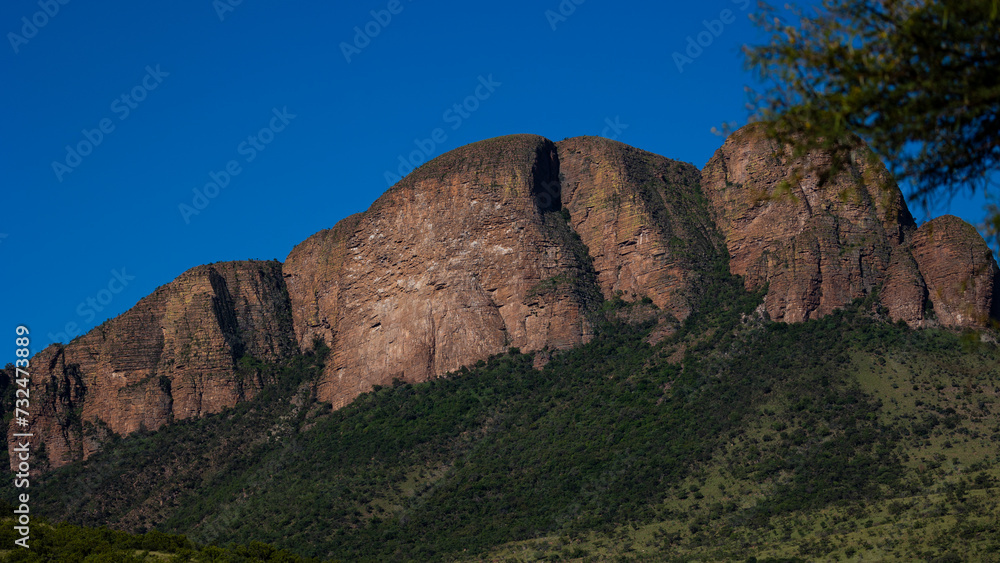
312	273
644	219
817	248
464	258
172	356
960	271
510	242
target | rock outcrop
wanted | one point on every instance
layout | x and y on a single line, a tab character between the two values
643	218
464	258
312	274
816	248
172	356
959	270
511	242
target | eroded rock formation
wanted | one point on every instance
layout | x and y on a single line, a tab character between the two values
511	242
172	356
464	258
644	219
959	270
816	248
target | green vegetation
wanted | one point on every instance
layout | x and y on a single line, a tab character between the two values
916	80
65	542
734	438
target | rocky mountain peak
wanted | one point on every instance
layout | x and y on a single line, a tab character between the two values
817	248
512	242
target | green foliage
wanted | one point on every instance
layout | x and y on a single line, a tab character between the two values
727	434
65	542
919	81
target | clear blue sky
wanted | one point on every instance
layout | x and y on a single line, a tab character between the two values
179	91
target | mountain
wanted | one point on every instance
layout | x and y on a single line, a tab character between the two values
733	438
817	248
513	242
461	260
643	219
535	350
172	356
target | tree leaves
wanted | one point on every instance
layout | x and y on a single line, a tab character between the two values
918	80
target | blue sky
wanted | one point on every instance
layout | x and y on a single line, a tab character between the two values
157	99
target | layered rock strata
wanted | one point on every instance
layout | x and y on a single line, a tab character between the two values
172	356
644	219
465	258
512	242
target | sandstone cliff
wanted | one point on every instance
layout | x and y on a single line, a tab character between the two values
172	356
816	248
511	242
960	271
312	274
465	257
644	219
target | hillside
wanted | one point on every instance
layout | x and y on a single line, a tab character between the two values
734	438
511	242
529	349
66	542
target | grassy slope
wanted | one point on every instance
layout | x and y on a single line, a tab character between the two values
66	542
942	508
735	438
